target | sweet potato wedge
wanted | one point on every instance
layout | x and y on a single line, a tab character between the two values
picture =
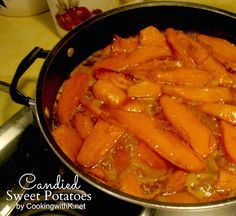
109	93
73	91
186	48
222	111
226	180
162	142
193	54
83	124
118	79
144	89
181	76
133	106
223	50
179	46
101	139
93	106
150	157
199	94
151	36
217	70
162	64
228	132
189	126
68	140
123	45
126	61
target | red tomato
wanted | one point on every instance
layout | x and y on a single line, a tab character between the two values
65	21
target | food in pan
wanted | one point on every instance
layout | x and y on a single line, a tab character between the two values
154	115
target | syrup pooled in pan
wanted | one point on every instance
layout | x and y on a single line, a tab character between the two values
153	115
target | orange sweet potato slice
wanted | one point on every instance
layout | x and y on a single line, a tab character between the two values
152	45
222	49
93	106
162	142
73	91
181	76
228	132
222	111
195	50
179	45
68	140
83	124
117	78
134	106
147	155
129	184
101	139
144	89
199	94
189	126
108	92
162	64
226	181
194	54
152	36
186	48
125	61
218	72
123	45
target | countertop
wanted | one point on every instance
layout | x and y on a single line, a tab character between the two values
19	35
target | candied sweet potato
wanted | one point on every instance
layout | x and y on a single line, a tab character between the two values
199	94
179	45
229	140
181	76
144	89
222	49
101	139
189	126
83	124
108	92
162	142
152	45
152	36
222	111
125	61
217	70
150	157
133	106
123	45
68	140
118	79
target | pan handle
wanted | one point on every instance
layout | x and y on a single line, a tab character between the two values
20	98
